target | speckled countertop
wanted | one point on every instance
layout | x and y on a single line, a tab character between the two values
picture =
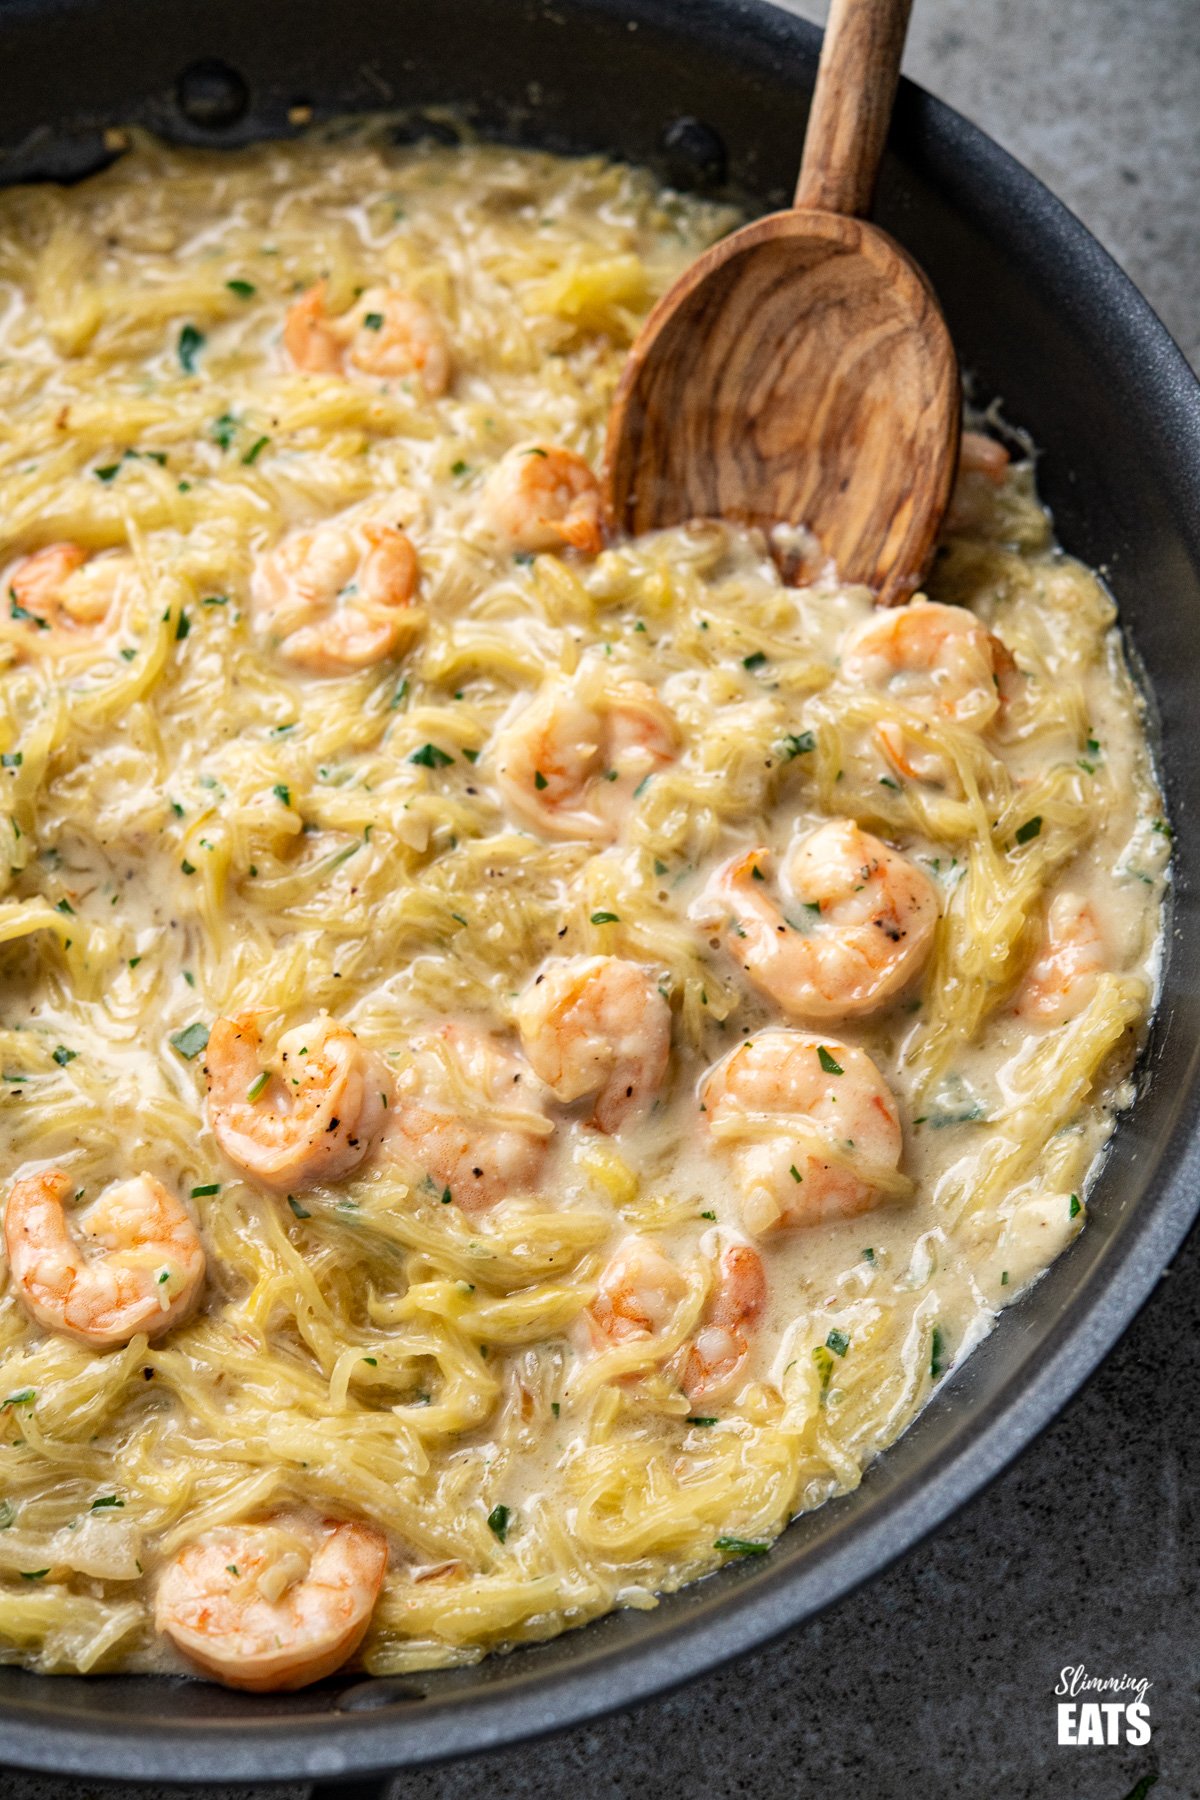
938	1679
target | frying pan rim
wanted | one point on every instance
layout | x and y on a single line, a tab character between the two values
746	1610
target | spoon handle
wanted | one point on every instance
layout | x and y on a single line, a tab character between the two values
856	85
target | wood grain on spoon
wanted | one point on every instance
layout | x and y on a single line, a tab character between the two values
800	372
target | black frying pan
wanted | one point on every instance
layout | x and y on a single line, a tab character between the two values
712	92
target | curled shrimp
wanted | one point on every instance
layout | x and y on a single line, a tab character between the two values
470	1117
338	597
715	1356
1062	977
145	1272
939	662
855	929
61	598
569	764
386	334
312	1117
597	1026
640	1289
542	497
274	1606
983	465
979	454
811	1125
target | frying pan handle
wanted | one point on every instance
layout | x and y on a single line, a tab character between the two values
851	109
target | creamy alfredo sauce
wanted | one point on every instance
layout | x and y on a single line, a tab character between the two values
201	824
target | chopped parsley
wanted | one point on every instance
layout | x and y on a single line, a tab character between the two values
498	1521
245	290
694	1419
191	1040
209	1188
827	1062
373	321
106	1500
300	1211
938	1360
282	792
191	342
22	1397
63	1056
12	759
1076	1208
606	918
430	757
255	451
755	661
838	1342
1029	830
736	1546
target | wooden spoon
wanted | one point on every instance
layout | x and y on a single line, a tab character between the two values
801	373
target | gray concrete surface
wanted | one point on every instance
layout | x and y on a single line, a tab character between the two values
938	1679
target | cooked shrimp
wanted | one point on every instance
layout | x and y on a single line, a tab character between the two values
144	1273
716	1354
470	1117
938	661
568	765
595	1025
858	930
542	497
274	1606
312	1117
640	1290
1062	978
386	334
812	1127
983	465
979	454
62	597
337	597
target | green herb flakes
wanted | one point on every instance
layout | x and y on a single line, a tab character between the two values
191	342
191	1040
498	1522
430	757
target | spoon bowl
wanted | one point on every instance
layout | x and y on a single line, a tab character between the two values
800	376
